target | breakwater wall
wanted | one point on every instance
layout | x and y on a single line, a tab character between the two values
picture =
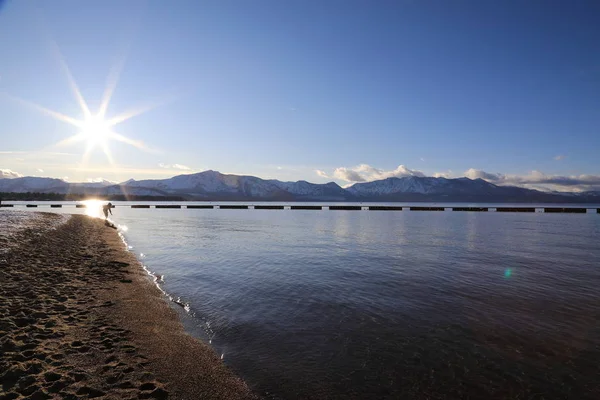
332	207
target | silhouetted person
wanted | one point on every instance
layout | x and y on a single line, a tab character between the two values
107	209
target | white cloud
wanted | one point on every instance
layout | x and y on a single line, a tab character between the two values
367	173
99	180
473	173
174	166
40	170
9	174
540	180
321	173
348	175
447	174
40	153
560	157
532	180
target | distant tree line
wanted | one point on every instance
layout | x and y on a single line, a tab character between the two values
32	196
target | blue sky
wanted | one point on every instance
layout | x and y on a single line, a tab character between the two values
314	90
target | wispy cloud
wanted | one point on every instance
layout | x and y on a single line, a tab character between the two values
473	173
539	179
446	174
321	173
367	173
36	153
40	170
99	180
124	171
175	166
533	179
9	174
348	175
560	157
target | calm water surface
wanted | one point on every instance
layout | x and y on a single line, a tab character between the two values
365	304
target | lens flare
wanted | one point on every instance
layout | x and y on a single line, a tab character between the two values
93	208
95	129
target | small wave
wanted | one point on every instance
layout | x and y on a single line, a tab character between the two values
159	279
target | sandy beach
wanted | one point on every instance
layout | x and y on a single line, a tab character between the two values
79	318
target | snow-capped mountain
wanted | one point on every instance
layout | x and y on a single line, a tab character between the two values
207	184
94	184
214	186
421	185
33	184
329	191
424	186
413	188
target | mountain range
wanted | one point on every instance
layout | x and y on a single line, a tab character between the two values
214	186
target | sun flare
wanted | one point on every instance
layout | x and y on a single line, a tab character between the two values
93	208
95	131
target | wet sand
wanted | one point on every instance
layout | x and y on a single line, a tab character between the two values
79	318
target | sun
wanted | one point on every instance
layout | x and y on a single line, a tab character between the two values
95	131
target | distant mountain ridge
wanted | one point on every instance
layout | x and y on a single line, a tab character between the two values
215	186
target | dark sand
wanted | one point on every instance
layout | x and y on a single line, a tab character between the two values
79	318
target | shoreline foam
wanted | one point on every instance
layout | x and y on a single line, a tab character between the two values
79	318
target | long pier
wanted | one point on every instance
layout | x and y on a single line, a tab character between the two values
332	207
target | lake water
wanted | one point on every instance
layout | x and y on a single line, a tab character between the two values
386	304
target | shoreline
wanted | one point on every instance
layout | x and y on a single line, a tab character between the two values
80	318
